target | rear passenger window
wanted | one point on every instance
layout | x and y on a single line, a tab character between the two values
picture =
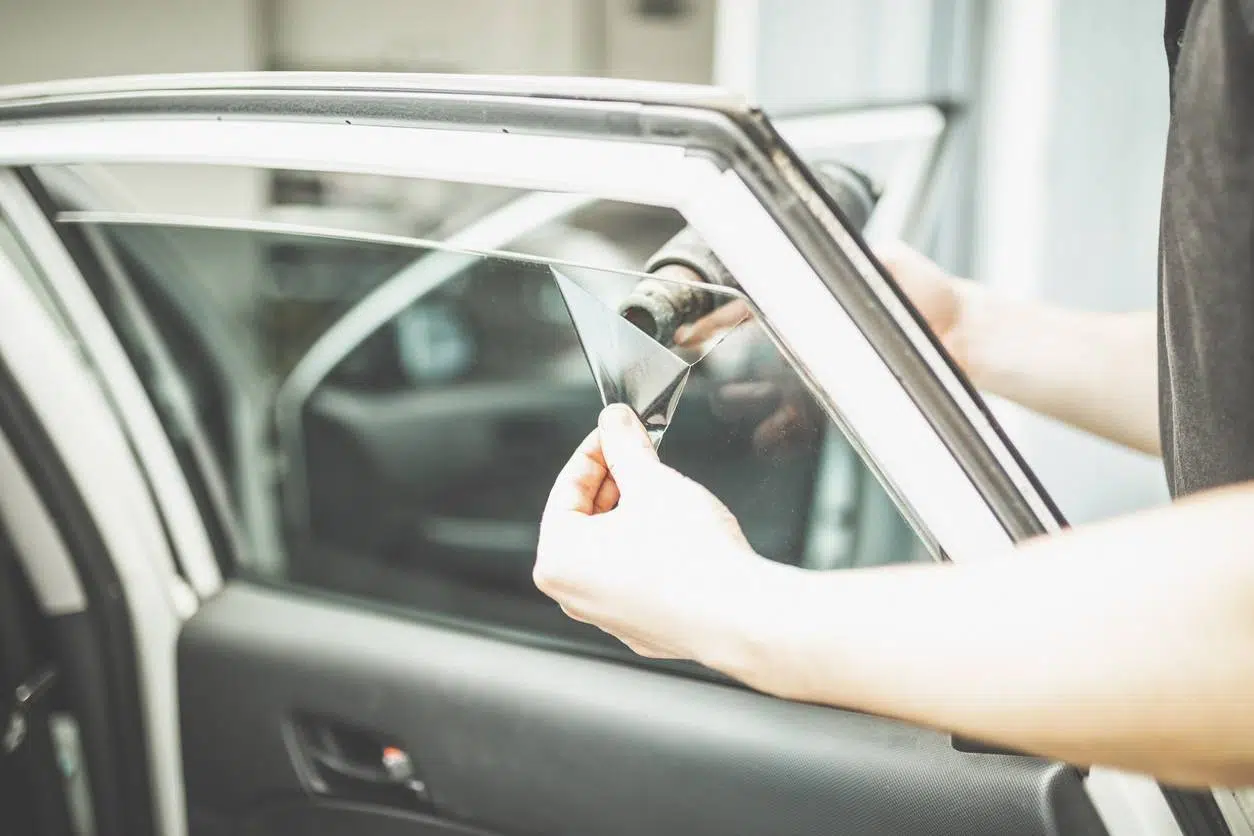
391	413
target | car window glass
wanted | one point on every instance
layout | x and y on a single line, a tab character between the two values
405	460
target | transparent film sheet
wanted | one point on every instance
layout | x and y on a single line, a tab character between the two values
456	315
631	366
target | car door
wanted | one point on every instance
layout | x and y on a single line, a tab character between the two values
328	680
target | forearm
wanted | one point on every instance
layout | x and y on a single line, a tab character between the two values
1129	644
1094	371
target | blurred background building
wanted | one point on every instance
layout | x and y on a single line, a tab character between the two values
1052	189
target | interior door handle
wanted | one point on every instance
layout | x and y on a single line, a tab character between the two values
345	768
348	762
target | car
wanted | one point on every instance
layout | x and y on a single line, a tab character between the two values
272	479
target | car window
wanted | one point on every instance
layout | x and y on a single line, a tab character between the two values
407	405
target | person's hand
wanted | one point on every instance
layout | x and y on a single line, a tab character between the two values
936	294
644	553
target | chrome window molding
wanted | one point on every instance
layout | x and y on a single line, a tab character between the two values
83	428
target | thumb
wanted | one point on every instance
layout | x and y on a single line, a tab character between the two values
625	445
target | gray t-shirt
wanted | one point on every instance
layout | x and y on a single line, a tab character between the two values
1206	264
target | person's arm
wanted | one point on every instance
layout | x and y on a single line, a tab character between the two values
1095	371
1127	644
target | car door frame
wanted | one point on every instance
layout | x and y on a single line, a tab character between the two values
715	160
905	209
720	163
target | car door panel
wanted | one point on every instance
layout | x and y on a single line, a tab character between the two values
516	739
